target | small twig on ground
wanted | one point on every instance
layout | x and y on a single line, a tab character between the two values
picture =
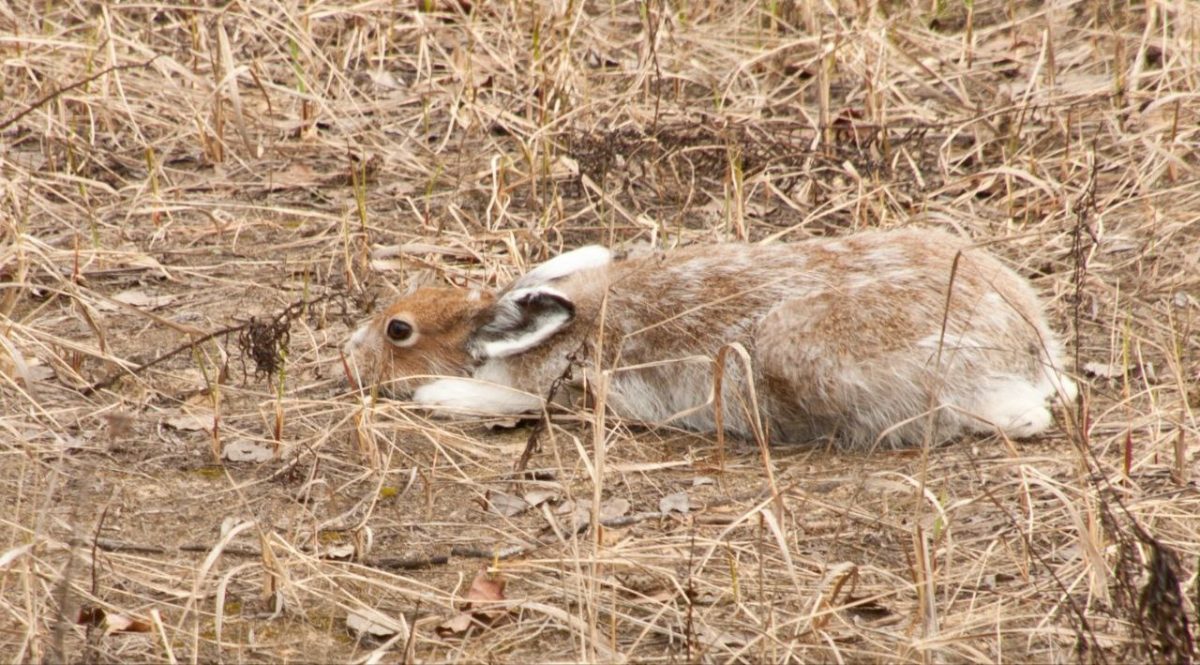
49	97
287	313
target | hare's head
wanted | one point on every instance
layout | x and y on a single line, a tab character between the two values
421	335
451	332
437	332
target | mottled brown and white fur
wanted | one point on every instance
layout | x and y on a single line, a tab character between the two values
849	337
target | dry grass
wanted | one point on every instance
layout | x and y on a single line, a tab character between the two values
173	173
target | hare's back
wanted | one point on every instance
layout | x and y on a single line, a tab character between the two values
870	292
867	295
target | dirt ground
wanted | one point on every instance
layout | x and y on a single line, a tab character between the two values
199	202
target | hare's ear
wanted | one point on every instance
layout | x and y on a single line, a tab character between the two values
520	320
563	265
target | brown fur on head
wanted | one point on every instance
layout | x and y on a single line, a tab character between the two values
423	334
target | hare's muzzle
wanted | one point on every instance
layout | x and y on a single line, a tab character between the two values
360	358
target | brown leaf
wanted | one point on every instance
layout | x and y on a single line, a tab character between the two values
461	622
112	623
485	589
456	625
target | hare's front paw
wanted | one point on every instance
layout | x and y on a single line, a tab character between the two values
476	397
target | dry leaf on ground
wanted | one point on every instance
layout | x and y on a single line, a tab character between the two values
578	514
675	503
505	504
192	422
90	615
485	590
376	624
244	450
140	299
538	497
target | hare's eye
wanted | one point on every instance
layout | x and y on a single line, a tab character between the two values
399	331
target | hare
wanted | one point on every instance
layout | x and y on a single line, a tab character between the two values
871	339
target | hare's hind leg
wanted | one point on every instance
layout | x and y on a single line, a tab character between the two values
843	383
1017	406
857	369
1012	405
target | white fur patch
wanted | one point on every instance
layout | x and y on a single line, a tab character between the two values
359	336
509	314
1014	406
476	397
1064	387
502	348
352	352
584	258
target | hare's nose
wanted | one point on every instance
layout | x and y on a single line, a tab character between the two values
356	339
351	356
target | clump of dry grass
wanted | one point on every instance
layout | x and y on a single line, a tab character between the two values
237	185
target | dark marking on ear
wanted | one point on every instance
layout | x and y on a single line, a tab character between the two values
521	320
543	302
